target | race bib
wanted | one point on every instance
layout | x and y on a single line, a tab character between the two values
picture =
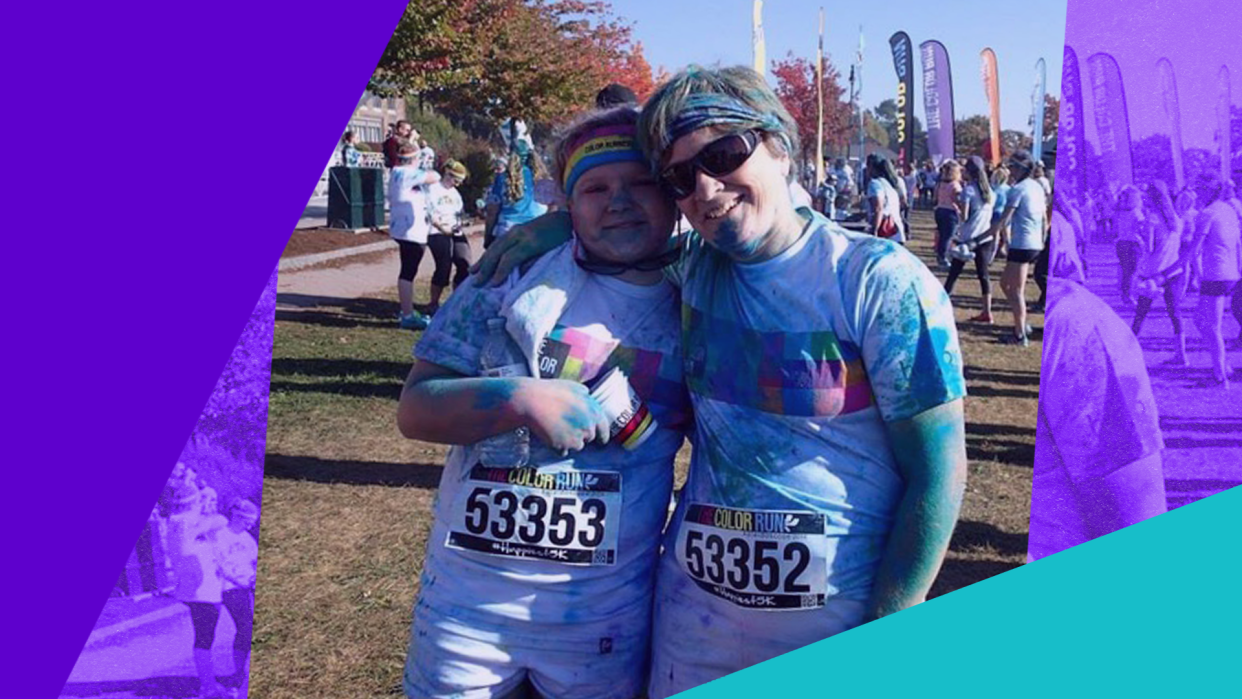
770	560
570	517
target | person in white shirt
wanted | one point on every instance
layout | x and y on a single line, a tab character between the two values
407	206
1097	465
237	556
1161	269
884	200
1217	241
447	240
974	238
1023	224
191	540
540	566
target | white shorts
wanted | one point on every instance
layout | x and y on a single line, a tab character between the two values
451	658
698	638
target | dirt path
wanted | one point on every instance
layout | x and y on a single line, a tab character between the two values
351	278
1202	426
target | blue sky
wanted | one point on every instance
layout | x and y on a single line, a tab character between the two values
1140	32
675	33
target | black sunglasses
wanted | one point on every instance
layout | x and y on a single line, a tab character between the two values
590	263
716	159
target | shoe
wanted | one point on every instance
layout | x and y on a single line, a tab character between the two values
982	318
1011	339
1029	330
414	321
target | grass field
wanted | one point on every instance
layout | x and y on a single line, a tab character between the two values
347	500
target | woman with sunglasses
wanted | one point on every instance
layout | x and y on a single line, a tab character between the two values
539	570
823	365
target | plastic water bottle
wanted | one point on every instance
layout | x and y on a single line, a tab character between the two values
501	359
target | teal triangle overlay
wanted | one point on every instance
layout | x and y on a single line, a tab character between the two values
1155	609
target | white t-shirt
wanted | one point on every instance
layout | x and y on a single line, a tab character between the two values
980	218
1094	363
427	158
794	366
237	554
1027	225
1218	223
608	323
444	206
191	548
407	204
912	182
1046	185
890	204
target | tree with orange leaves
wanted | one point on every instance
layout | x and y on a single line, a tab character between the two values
541	60
795	86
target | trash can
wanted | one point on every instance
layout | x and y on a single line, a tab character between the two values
355	198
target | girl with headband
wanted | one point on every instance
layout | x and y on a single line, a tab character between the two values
542	556
823	365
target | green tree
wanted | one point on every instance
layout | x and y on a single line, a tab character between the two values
1153	160
886	115
1052	115
480	61
970	134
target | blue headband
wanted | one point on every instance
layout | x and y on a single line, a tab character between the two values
713	109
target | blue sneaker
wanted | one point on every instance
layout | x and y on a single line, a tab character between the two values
414	321
1011	339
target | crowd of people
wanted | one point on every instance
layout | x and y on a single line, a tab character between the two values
981	213
214	562
815	370
1171	246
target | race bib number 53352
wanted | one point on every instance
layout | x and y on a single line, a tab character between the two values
570	517
757	559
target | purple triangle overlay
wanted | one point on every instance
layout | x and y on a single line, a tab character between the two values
166	153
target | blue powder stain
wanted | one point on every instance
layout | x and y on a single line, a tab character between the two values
494	394
728	241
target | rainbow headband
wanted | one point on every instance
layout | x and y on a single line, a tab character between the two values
607	144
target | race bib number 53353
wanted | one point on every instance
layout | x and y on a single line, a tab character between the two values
758	559
570	517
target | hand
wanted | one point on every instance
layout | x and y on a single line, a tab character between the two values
522	243
562	414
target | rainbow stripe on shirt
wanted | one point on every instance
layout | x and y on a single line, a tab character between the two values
576	355
804	374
